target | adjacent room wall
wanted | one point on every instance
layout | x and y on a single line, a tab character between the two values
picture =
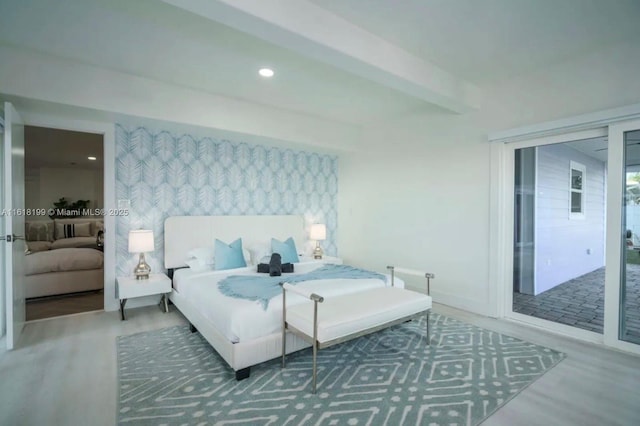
165	174
567	248
418	192
45	186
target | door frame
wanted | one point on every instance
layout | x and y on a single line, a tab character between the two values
616	237
107	130
3	290
503	144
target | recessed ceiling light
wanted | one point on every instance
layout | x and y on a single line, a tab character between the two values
92	158
266	72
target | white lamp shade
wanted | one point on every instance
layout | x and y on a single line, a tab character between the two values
140	241
318	232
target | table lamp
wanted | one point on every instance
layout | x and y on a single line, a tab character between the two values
318	233
141	241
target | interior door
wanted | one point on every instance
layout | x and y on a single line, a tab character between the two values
13	210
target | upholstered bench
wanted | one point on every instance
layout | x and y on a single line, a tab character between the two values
345	317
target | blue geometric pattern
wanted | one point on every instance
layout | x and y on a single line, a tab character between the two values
167	175
173	376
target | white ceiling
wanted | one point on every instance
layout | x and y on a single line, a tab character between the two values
470	41
488	40
55	148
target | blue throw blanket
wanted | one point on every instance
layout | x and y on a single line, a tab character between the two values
265	288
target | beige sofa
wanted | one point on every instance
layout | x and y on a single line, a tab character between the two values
63	257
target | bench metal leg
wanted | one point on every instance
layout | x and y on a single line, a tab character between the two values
315	373
428	331
284	326
315	344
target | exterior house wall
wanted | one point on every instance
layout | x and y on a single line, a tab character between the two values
567	248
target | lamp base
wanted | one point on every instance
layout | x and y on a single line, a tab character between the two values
142	269
317	252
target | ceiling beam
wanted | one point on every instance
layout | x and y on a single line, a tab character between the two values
309	30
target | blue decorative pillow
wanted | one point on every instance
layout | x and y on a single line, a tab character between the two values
286	249
229	256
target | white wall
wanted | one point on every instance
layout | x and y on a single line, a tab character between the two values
567	248
418	193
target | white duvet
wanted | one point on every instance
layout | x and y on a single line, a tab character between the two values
244	320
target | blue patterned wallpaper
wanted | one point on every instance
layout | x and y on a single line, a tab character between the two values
167	175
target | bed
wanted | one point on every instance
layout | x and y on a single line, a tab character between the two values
243	332
56	265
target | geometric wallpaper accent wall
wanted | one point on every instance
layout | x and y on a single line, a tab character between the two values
164	175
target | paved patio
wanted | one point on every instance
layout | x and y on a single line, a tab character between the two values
580	303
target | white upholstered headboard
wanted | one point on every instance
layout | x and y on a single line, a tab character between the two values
184	233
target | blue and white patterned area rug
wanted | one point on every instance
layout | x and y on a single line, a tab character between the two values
173	377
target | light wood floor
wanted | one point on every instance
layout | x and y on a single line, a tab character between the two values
64	373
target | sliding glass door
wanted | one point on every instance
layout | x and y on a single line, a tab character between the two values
559	232
629	303
572	233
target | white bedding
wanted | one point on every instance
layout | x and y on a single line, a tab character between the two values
63	260
243	320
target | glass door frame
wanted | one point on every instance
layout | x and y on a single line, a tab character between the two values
510	150
616	236
611	124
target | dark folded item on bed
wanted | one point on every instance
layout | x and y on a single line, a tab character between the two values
275	265
287	268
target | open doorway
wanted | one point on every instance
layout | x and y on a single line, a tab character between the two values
64	223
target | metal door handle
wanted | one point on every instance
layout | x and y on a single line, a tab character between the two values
11	238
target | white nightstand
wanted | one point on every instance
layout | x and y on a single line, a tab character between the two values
128	287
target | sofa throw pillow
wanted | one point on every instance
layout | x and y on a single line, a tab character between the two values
38	230
286	249
229	256
36	246
70	230
97	226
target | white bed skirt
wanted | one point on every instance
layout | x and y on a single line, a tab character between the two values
242	354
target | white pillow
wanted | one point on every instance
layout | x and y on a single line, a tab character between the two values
196	266
203	258
259	251
206	255
247	256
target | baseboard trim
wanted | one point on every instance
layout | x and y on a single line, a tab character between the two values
481	308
